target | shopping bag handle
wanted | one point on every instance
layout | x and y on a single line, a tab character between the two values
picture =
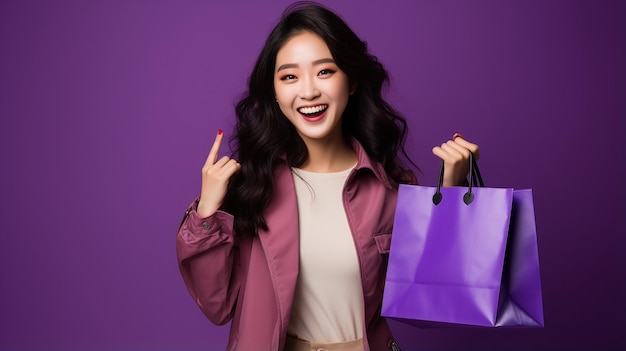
475	179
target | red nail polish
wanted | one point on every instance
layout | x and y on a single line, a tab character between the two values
220	132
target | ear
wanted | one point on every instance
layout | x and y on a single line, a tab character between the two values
353	87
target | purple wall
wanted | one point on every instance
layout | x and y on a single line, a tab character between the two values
108	108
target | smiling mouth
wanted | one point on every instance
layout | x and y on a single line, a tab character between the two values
313	111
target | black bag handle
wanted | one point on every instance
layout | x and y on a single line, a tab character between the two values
475	179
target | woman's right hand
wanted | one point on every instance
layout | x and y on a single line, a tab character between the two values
215	177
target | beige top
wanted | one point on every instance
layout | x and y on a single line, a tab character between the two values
328	304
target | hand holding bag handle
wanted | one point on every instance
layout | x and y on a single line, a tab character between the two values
475	179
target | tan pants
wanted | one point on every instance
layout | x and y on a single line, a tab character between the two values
294	344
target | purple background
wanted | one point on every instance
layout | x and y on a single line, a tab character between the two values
108	108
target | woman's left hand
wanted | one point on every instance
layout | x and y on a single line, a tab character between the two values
455	155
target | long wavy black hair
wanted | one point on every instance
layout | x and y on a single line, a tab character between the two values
263	136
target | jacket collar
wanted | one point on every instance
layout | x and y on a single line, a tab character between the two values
364	162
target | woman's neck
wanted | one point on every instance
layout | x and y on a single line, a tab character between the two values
329	155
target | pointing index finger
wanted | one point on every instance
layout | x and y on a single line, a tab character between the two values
215	149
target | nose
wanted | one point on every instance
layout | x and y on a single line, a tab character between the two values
308	89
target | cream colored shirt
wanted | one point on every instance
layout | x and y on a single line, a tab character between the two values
328	304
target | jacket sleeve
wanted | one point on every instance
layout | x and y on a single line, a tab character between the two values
208	262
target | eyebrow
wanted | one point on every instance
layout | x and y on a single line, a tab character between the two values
295	65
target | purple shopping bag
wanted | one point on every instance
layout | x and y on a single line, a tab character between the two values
464	255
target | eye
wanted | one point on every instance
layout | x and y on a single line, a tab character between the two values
288	77
326	72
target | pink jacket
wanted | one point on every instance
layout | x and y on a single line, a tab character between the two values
252	280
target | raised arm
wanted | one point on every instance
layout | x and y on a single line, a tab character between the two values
205	243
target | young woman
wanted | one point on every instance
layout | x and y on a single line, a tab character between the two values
290	240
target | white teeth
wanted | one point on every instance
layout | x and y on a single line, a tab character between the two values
312	110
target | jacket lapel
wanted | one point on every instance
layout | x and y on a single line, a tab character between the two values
281	243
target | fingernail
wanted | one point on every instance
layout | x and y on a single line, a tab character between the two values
456	135
220	132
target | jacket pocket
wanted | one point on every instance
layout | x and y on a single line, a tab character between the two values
383	242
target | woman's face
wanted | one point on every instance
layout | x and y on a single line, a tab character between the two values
311	90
